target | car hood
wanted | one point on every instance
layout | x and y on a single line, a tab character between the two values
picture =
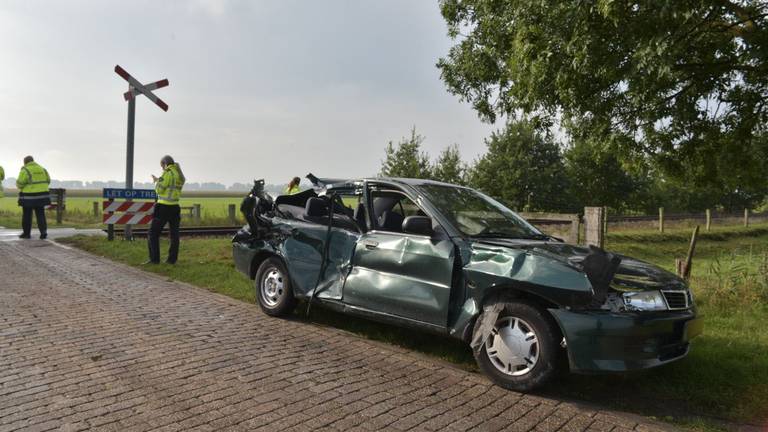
631	274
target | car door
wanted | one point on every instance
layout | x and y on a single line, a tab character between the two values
304	246
303	250
401	274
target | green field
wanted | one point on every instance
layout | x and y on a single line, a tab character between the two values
725	377
79	211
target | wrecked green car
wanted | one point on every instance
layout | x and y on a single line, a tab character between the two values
449	259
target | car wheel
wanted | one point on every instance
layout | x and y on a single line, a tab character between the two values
521	352
273	288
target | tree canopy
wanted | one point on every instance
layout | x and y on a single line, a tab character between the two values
449	167
524	169
406	159
598	177
684	82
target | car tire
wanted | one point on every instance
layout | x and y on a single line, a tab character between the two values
273	288
522	352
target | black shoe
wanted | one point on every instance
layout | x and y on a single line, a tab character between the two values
170	262
25	236
150	262
43	236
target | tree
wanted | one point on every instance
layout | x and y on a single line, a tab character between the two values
406	159
449	167
735	180
598	177
679	81
522	165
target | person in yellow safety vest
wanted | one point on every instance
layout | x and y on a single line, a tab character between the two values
293	186
167	211
2	177
34	195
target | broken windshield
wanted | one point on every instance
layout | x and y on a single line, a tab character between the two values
477	215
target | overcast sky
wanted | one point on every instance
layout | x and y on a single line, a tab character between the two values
257	89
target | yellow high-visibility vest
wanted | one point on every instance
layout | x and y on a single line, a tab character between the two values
33	179
169	186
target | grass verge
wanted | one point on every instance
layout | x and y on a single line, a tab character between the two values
725	377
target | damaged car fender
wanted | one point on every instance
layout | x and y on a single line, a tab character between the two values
495	273
493	266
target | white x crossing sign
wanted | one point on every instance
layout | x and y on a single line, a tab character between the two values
138	87
154	86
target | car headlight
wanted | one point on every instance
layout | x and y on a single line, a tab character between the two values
644	300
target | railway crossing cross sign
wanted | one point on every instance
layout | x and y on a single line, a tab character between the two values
136	88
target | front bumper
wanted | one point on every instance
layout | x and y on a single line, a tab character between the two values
601	341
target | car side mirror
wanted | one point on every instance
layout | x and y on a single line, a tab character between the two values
421	225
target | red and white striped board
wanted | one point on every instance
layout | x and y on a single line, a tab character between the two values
127	218
128	206
127	212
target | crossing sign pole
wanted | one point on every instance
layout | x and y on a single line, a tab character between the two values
129	156
135	88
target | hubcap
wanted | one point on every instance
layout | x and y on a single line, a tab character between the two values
272	287
513	346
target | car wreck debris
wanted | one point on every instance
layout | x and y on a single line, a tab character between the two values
450	260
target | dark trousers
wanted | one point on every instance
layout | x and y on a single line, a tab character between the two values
26	220
164	214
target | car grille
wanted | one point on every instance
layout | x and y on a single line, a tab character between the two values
676	300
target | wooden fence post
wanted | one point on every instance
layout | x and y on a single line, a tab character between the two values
746	217
593	226
96	209
683	267
232	214
60	194
605	221
573	236
661	219
709	219
196	213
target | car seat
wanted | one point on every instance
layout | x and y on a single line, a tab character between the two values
315	210
391	221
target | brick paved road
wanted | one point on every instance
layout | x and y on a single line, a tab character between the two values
88	344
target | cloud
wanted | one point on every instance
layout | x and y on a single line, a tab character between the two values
257	89
215	8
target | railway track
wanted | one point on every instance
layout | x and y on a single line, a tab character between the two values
189	231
